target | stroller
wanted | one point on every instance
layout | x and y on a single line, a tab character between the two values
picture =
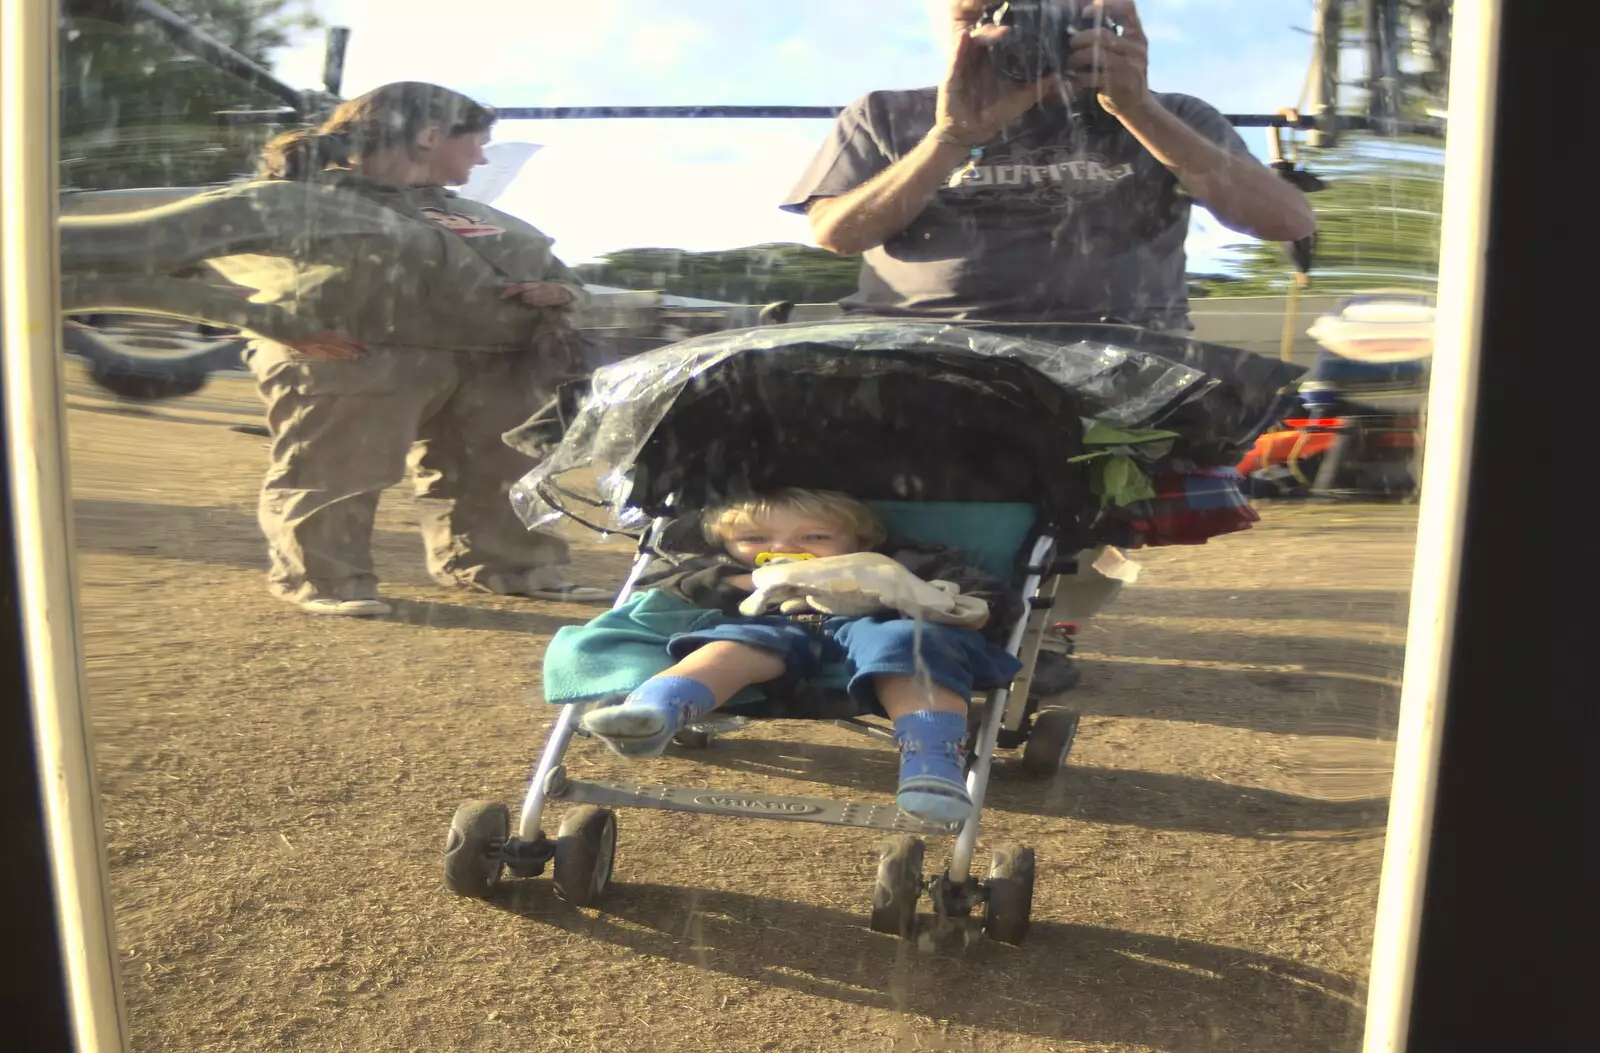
966	437
1354	428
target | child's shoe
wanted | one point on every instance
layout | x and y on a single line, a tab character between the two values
933	757
644	722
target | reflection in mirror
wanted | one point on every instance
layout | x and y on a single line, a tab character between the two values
1118	560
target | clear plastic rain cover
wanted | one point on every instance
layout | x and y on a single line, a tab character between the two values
588	475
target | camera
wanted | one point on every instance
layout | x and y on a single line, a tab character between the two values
1040	32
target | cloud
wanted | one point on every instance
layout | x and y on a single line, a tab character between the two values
595	190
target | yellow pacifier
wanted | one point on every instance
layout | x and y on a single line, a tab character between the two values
782	557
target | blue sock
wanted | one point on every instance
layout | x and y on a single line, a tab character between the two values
645	721
933	755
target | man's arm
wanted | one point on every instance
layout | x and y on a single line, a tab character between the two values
1244	194
885	205
974	104
1241	192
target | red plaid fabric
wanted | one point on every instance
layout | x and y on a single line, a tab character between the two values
1193	504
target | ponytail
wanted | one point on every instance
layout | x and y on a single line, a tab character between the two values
302	153
384	118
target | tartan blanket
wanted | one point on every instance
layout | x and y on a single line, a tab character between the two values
1192	504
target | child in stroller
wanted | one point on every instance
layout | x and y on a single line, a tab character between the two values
919	671
979	444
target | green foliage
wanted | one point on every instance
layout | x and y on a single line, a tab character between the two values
1378	227
254	28
136	111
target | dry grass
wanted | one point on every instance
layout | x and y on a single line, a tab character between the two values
277	789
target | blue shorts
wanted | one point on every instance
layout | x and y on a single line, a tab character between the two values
960	660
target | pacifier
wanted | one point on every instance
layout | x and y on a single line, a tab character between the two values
782	557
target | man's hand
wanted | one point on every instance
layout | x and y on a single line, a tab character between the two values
538	294
975	102
327	346
1115	67
1241	192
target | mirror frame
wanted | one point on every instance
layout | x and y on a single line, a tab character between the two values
43	526
42	522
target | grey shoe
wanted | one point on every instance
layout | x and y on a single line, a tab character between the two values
546	583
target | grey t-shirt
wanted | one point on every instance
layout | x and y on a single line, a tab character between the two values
1057	221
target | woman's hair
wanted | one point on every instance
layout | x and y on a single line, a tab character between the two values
826	505
390	116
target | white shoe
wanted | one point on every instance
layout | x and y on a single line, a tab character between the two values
546	583
346	608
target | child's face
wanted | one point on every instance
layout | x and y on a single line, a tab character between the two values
788	532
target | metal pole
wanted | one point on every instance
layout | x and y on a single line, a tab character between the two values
1383	71
1323	104
1310	123
588	113
333	59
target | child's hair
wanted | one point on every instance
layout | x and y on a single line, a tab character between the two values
393	115
826	505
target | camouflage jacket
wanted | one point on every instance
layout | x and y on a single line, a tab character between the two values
401	268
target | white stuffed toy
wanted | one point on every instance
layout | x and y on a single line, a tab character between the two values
859	585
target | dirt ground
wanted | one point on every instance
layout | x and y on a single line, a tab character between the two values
277	790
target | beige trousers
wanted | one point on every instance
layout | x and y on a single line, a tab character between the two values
345	431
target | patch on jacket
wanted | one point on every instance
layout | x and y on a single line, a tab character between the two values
465	226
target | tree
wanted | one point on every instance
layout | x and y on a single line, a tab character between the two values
255	29
1378	226
138	112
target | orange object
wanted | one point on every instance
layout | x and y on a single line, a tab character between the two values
1280	447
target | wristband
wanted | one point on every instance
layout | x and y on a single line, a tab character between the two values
950	140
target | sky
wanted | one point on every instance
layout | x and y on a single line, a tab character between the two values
597	186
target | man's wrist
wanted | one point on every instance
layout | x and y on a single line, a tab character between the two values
950	146
950	137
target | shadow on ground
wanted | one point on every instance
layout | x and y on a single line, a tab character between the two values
1100	795
1066	982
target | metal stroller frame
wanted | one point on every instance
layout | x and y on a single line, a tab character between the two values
481	846
699	383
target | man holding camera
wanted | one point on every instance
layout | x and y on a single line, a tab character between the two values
1042	181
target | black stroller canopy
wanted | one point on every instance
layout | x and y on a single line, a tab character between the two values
883	410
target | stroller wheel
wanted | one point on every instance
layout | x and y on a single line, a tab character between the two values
894	898
472	861
586	846
694	738
1008	910
1049	741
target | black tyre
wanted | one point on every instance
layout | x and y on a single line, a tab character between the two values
1049	741
899	886
1054	674
1008	910
150	360
694	738
586	848
472	862
145	387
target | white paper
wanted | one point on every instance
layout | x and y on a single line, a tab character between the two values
1114	565
505	161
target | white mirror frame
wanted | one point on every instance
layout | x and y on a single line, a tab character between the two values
1441	521
35	444
30	333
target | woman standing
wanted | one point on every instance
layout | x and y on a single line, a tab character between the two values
438	322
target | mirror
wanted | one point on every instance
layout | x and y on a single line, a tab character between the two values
277	384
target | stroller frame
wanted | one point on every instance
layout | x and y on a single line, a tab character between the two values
481	846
